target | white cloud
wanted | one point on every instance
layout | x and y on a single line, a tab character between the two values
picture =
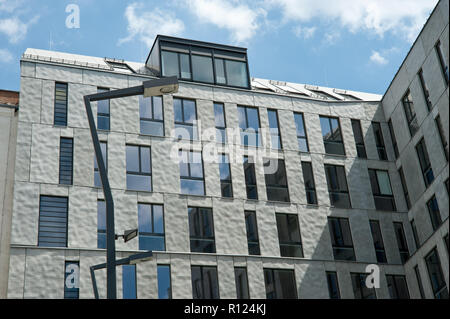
5	56
9	5
304	32
146	25
401	17
235	16
15	29
377	58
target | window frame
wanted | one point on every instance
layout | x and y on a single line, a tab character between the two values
278	187
240	293
361	146
183	123
96	169
380	251
309	189
271	129
151	120
444	142
64	177
289	218
158	266
224	160
410	113
394	139
393	279
245	132
254	248
213	281
426	168
273	274
250	165
404	187
333	192
435	215
140	172
102	114
363	290
221	129
335	239
379	195
442	62
403	249
329	274
442	288
63	119
189	177
42	228
202	237
425	91
341	143
305	137
153	233
379	141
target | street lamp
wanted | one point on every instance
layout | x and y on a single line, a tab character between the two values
148	88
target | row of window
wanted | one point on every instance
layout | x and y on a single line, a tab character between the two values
279	283
185	118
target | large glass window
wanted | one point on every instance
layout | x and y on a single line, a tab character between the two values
404	187
333	285
129	284
151	115
250	178
280	284
97	179
201	230
359	139
276	180
101	224
185	119
61	97
341	239
310	185
379	141
53	220
275	137
103	112
164	282
442	63
205	284
425	164
360	288
225	176
436	275
398	289
301	132
65	161
192	180
394	139
435	215
176	64
410	113
252	233
401	241
202	69
139	168
151	227
337	186
378	241
219	117
332	136
241	279
249	126
289	235
381	190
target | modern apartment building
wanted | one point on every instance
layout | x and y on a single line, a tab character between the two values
242	187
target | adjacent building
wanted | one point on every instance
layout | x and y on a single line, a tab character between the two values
242	187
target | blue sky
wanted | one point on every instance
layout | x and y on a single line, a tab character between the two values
348	44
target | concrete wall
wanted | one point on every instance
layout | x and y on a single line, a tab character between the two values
423	56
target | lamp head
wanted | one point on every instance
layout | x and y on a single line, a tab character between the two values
157	87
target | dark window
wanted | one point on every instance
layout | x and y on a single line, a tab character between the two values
425	164
442	136
97	179
426	93
341	239
378	241
236	73
415	234
337	186
379	141
275	136
240	276
446	241
176	64
401	242
332	136
201	230
60	112
220	121
139	168
405	188
310	185
359	139
205	284
120	67
202	69
192	180
419	281
103	112
360	288
280	284
381	190
164	282
225	176
249	126
151	227
72	280
436	276
53	218
398	289
333	285
185	119
410	113
252	233
276	180
151	115
302	138
394	139
435	215
250	178
101	224
443	64
289	235
129	282
66	161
